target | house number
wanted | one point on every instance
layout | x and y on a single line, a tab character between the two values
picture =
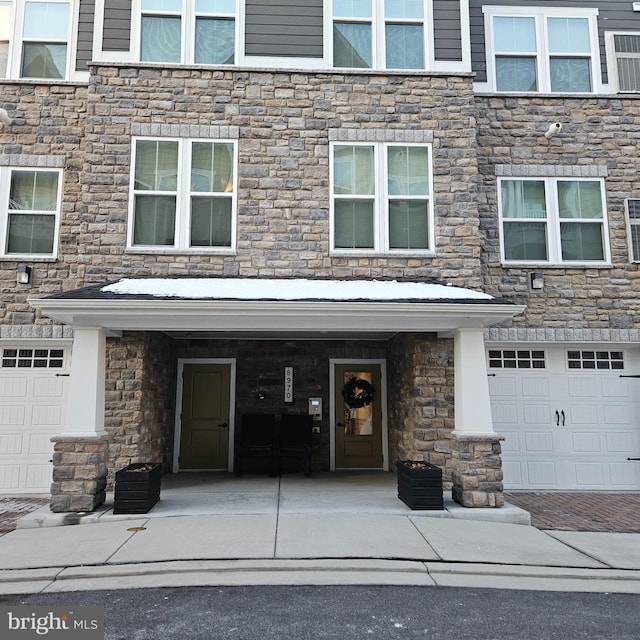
288	384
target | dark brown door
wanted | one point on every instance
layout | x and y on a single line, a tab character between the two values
204	436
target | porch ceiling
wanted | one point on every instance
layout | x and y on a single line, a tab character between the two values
268	308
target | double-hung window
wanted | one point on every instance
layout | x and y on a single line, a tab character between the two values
34	39
625	54
381	198
30	207
550	51
188	31
633	228
183	194
384	35
553	220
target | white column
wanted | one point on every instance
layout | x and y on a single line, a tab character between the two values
85	402
472	400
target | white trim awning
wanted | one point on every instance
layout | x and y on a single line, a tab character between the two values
276	306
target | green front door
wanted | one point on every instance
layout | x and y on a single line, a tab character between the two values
358	429
204	435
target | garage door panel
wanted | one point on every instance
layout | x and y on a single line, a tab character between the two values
512	472
624	475
14	415
503	386
538	387
9	477
538	414
505	413
620	442
48	387
43	415
615	388
511	442
583	414
586	442
541	474
11	443
535	442
38	476
589	475
582	387
13	387
40	443
617	414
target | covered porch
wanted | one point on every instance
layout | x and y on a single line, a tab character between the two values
138	334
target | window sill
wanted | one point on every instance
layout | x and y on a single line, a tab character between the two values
337	253
33	259
180	252
560	265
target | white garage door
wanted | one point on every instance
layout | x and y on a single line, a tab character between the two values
570	417
33	383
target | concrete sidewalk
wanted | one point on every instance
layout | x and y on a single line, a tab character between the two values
322	531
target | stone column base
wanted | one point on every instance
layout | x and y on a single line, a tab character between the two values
79	473
477	470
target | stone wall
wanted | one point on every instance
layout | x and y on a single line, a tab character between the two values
47	131
140	399
600	137
421	403
283	121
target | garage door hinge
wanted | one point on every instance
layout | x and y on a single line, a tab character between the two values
636	375
62	375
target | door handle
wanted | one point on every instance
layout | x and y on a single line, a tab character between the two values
339	425
557	418
562	414
224	424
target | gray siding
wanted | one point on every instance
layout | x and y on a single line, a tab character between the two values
117	25
447	30
85	34
613	15
284	28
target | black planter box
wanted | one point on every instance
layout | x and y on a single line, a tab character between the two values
137	488
420	487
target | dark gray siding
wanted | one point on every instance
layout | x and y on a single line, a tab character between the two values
85	34
117	25
283	28
613	15
447	30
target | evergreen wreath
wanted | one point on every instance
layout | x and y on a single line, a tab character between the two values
358	393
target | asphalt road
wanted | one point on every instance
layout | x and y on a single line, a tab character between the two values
350	613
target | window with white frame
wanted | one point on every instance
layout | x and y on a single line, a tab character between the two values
626	52
553	220
30	210
381	197
633	228
183	194
542	50
188	31
35	39
382	35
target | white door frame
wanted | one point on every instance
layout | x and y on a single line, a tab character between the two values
332	406
232	406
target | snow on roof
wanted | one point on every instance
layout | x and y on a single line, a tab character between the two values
294	289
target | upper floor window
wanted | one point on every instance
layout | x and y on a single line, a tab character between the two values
30	208
183	194
381	198
633	224
34	39
626	53
188	31
551	51
553	220
388	34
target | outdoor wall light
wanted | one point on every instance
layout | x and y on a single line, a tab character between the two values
536	280
23	274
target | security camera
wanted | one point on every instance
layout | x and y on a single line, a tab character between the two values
556	127
4	117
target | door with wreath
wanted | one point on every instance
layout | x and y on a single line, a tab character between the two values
358	417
